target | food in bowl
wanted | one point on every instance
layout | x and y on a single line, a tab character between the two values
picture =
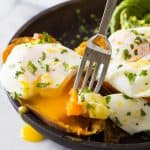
39	72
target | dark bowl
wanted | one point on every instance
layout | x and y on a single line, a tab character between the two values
64	22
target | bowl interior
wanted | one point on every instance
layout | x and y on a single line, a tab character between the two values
71	23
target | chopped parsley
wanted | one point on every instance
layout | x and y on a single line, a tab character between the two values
45	38
128	113
82	98
143	113
127	97
66	66
42	85
85	90
46	67
138	40
126	55
131	76
119	66
56	60
31	67
131	46
135	32
89	106
43	57
144	73
15	95
135	52
108	99
18	73
63	51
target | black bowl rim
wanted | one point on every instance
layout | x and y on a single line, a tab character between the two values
53	136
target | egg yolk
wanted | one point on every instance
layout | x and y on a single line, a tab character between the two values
30	134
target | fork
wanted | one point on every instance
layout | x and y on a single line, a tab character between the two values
96	54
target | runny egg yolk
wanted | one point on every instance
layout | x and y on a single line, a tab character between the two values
30	134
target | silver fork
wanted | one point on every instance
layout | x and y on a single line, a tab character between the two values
96	55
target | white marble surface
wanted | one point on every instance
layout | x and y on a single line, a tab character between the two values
14	13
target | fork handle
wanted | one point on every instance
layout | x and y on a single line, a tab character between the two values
109	7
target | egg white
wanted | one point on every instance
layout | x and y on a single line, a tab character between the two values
118	67
131	115
62	66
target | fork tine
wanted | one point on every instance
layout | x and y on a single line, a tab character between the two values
79	73
102	75
94	75
87	75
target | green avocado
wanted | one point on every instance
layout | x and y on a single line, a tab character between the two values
130	14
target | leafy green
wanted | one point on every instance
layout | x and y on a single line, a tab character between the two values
130	14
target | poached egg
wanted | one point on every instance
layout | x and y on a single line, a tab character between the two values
43	69
129	69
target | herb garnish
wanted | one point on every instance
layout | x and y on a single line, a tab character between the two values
31	67
43	57
131	46
66	66
18	73
45	38
82	98
63	51
46	67
56	60
135	52
15	95
127	97
135	32
119	66
138	40
144	73
126	54
131	76
85	90
108	99
42	85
